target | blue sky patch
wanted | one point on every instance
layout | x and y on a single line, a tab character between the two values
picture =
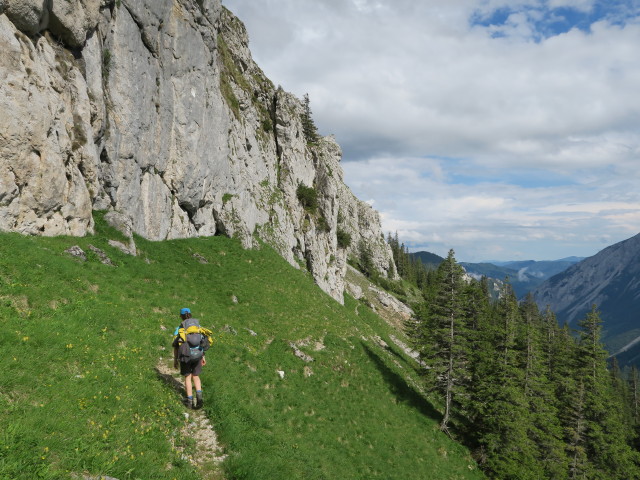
546	22
458	171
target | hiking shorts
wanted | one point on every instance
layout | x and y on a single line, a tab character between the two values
191	368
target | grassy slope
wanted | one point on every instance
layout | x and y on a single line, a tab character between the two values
80	340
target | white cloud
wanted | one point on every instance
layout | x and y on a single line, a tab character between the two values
582	5
461	139
493	220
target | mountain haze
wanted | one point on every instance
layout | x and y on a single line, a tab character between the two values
523	275
610	280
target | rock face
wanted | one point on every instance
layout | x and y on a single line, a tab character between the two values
155	109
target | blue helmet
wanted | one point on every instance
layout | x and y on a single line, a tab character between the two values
184	310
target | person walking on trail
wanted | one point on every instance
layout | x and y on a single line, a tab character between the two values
191	357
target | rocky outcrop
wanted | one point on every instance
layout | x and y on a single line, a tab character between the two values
156	110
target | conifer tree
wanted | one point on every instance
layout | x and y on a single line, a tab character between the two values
545	427
568	394
365	259
634	389
308	125
533	401
421	274
621	393
634	405
477	309
576	434
502	420
605	435
445	351
553	344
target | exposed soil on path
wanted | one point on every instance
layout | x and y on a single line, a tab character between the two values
204	452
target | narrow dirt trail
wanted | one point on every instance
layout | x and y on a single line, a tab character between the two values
204	453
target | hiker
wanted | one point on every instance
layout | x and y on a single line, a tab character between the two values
190	353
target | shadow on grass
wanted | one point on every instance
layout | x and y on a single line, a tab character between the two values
170	380
404	392
395	350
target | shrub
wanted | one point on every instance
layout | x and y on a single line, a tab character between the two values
344	238
308	197
323	224
106	63
79	138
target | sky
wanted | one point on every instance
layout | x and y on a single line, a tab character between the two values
501	129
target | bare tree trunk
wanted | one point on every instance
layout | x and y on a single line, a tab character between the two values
449	388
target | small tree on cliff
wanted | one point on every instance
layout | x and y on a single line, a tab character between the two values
308	126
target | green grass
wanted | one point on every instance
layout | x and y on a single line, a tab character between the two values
79	394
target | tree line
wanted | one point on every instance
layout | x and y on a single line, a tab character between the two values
409	267
530	398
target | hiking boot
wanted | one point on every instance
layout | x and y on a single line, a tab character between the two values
199	402
188	402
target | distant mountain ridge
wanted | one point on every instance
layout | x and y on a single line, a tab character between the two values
610	280
428	259
524	275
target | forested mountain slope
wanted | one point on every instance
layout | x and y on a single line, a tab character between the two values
532	399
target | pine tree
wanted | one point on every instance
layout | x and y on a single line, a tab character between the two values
576	434
309	128
502	420
532	401
621	392
605	435
545	427
445	350
477	310
421	275
365	259
634	405
568	395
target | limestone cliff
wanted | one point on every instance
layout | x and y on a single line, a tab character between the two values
156	110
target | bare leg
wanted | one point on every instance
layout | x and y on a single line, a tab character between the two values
196	382
187	384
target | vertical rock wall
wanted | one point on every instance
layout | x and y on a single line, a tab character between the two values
155	109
